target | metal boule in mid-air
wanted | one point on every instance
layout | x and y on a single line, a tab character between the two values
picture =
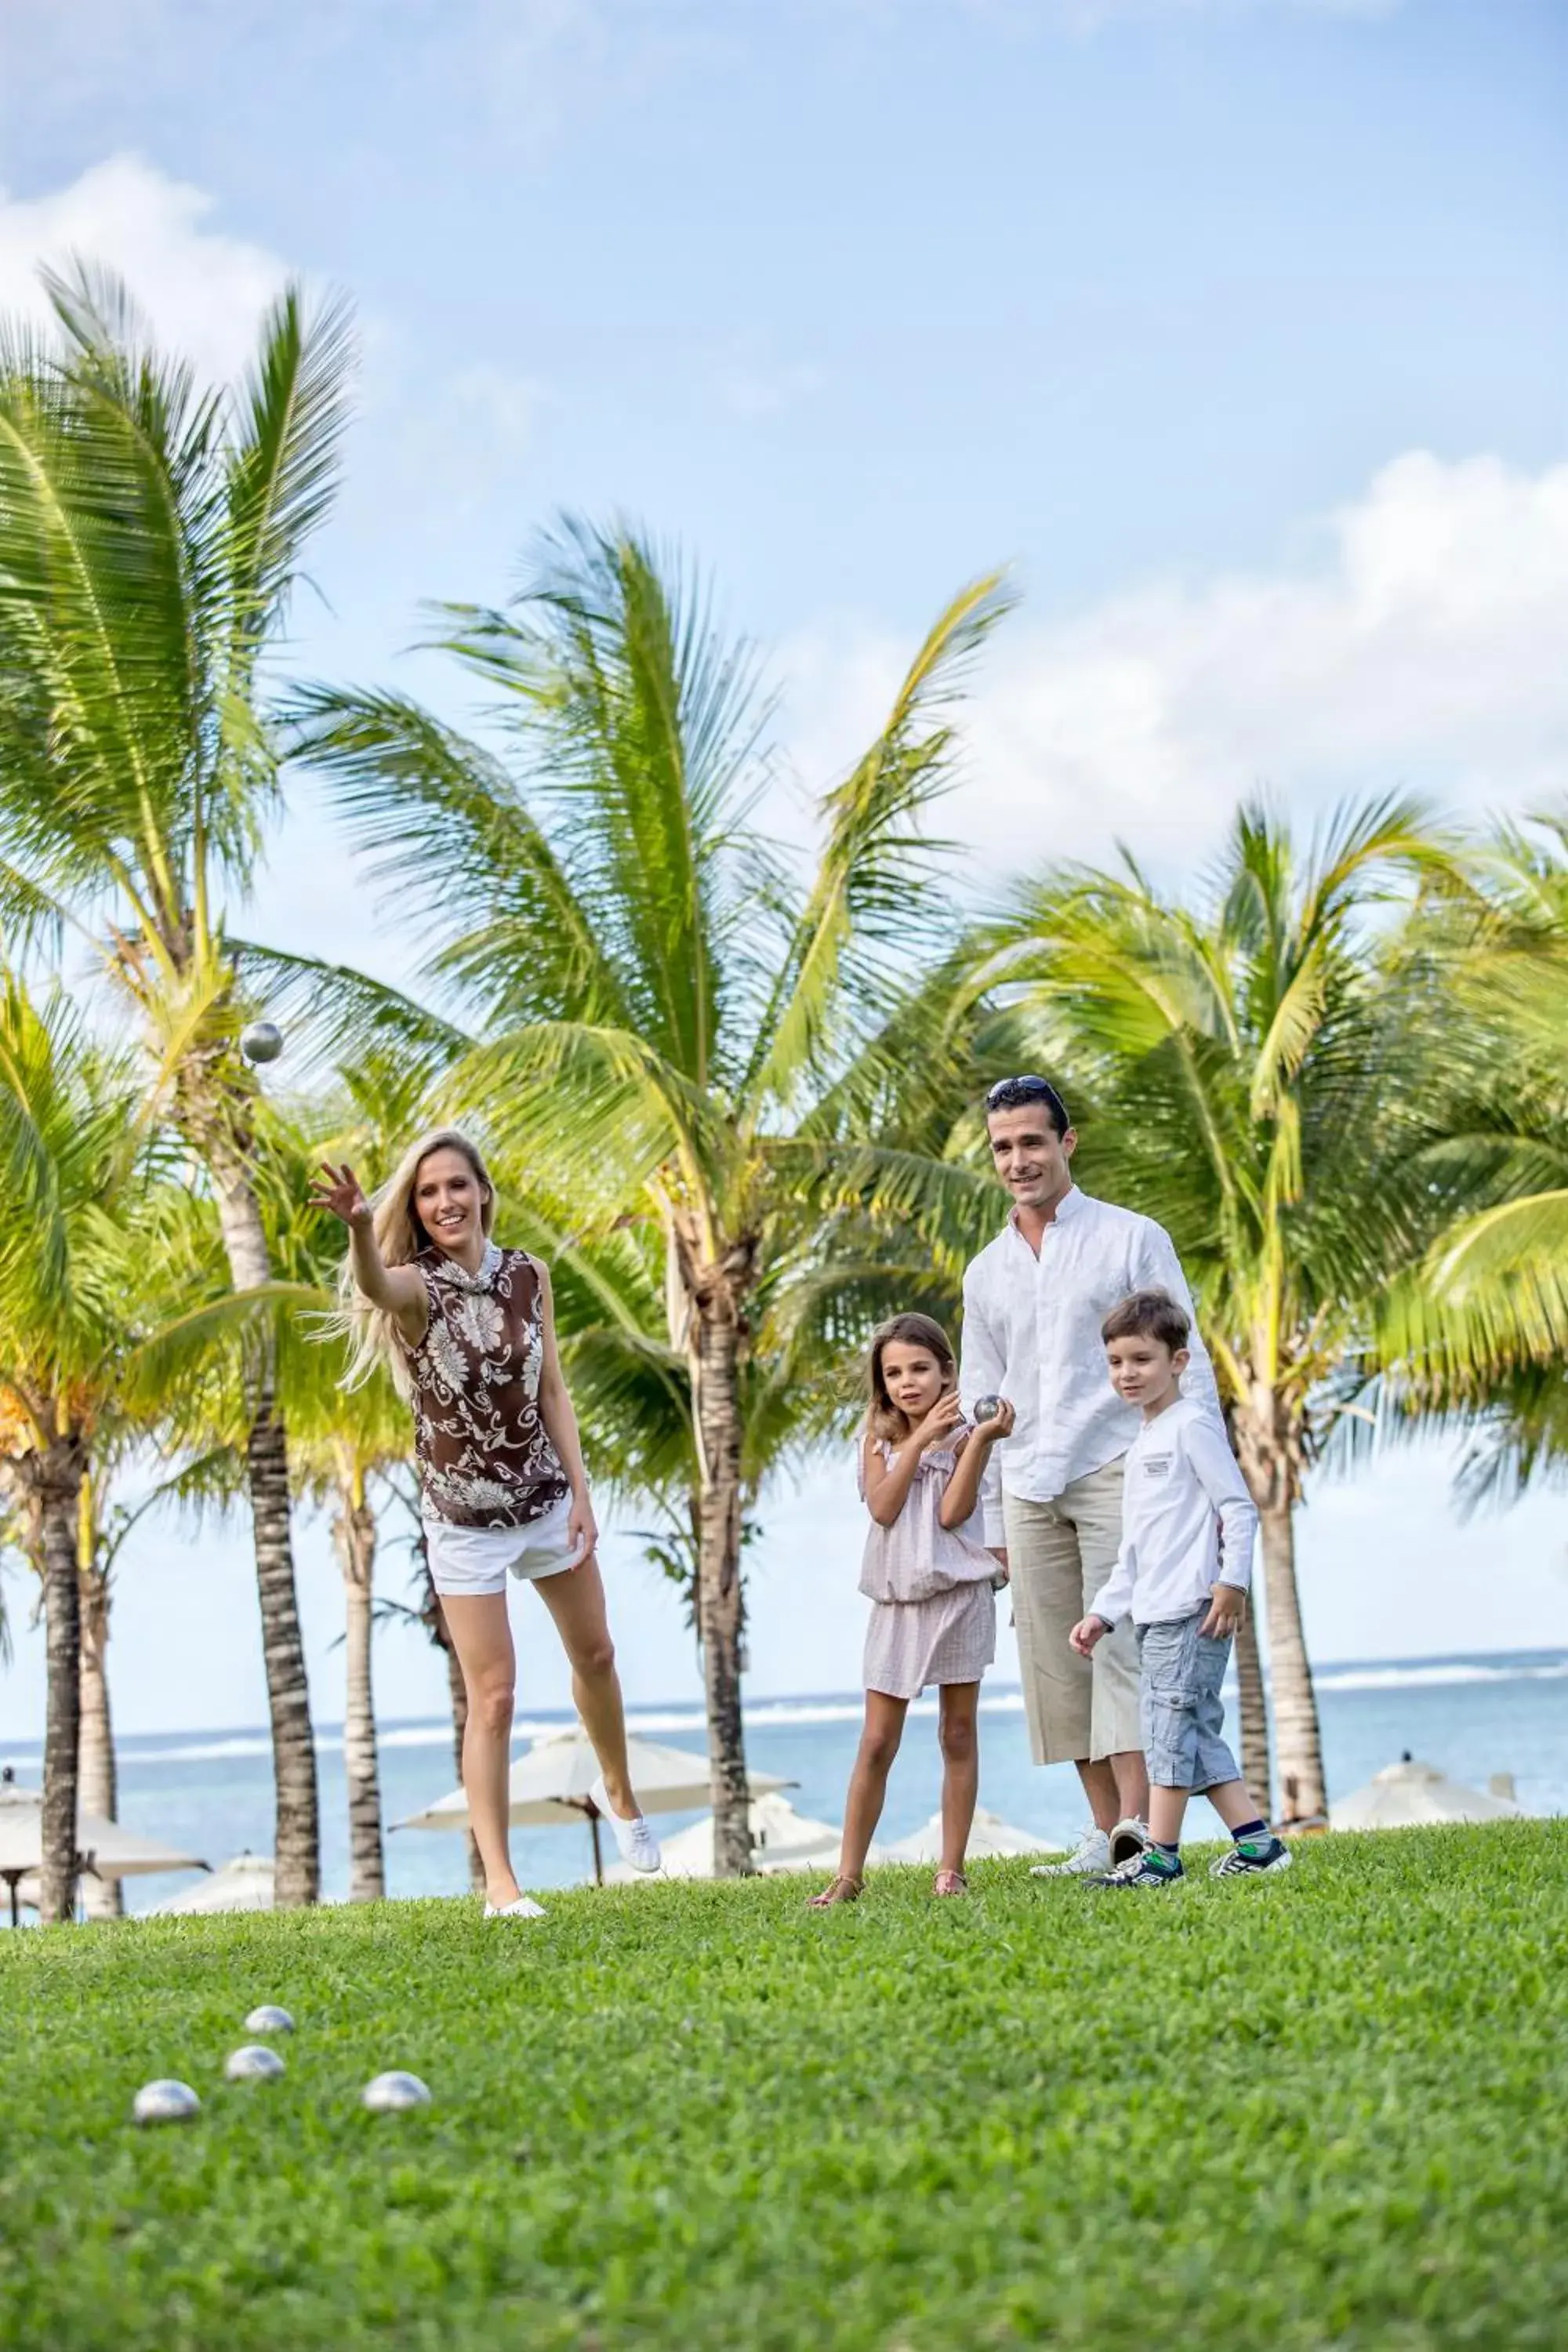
389	2094
254	2063
164	2101
986	1408
261	1042
269	2019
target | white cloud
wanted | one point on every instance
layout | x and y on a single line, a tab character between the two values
1423	651
203	291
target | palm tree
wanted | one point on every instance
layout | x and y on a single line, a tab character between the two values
1498	1125
151	534
345	1449
1247	1073
1474	1338
72	1168
196	1365
662	1004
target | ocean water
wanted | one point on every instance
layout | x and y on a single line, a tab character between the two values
211	1794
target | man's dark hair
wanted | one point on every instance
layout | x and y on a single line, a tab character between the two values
1149	1314
1012	1094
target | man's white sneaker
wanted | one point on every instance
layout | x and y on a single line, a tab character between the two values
522	1906
636	1841
1128	1840
1090	1859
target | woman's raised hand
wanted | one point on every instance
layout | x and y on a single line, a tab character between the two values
338	1189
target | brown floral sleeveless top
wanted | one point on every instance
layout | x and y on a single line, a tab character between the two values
485	1458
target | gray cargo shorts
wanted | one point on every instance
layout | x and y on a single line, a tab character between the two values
1183	1713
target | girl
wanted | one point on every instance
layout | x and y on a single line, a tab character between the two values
467	1332
929	1579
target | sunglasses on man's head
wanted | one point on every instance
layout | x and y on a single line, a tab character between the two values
1012	1094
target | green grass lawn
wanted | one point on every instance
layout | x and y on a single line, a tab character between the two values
1324	2109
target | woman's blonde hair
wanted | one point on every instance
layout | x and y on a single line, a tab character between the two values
371	1331
884	1418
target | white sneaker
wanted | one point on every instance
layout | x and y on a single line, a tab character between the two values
636	1841
1129	1841
1091	1858
522	1906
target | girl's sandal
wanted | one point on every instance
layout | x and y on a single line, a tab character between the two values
949	1881
843	1890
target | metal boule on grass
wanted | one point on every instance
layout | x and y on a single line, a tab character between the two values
254	2063
261	1042
392	2095
165	2102
269	2019
986	1408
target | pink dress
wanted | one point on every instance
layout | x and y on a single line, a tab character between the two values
933	1613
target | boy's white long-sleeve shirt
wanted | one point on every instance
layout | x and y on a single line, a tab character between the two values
1187	1520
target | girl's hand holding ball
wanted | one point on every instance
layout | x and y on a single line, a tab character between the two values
997	1422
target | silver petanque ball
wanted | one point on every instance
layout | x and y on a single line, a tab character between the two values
986	1408
391	2095
254	2063
262	1042
165	2102
269	2019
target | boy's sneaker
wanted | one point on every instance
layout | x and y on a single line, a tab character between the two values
1149	1868
1250	1857
1129	1838
1091	1858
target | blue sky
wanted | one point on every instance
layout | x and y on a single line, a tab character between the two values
1238	327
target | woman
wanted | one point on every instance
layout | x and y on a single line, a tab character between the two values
467	1332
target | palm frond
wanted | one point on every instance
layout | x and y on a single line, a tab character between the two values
874	875
447	831
639	725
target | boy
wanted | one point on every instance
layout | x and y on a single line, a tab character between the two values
1185	1513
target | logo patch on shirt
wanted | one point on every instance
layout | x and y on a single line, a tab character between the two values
1157	1465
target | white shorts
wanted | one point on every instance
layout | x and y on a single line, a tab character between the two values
478	1559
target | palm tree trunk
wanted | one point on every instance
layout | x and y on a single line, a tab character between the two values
355	1534
57	1481
1298	1740
1269	1442
1254	1713
721	1612
100	1779
297	1840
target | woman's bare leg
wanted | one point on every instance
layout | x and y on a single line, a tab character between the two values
868	1781
958	1730
576	1600
481	1635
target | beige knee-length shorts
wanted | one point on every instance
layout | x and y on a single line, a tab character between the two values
1059	1556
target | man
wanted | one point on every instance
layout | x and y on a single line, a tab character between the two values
1033	1303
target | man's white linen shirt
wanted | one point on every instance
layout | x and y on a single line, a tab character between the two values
1031	1333
1187	1521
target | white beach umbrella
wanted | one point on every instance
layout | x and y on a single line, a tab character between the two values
990	1839
104	1847
549	1783
245	1884
1406	1794
781	1838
